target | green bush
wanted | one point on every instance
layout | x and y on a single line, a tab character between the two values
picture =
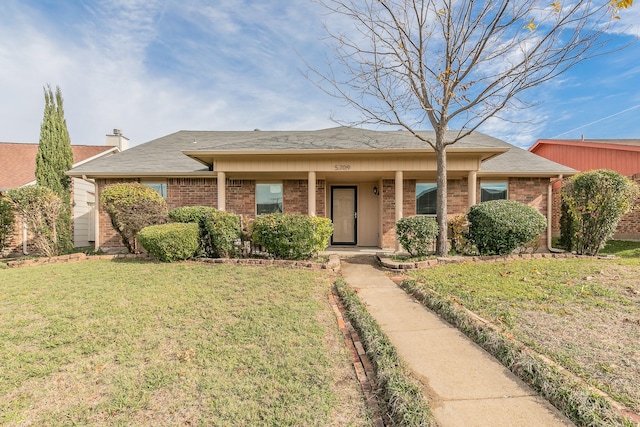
595	201
171	242
498	227
40	207
190	213
292	236
6	222
219	233
131	207
417	234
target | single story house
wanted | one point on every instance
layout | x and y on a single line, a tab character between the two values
620	155
18	169
363	180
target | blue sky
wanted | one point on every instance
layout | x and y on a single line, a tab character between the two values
153	67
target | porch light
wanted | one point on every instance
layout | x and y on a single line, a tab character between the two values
375	190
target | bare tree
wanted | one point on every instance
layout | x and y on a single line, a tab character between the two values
417	63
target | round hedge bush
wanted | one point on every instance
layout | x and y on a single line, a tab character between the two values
498	227
417	234
171	242
287	236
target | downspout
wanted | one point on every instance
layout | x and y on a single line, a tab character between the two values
550	215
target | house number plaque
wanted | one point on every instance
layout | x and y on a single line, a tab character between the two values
342	167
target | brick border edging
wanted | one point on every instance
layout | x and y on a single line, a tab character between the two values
361	363
478	322
387	262
333	264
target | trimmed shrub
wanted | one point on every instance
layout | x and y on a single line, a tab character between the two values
295	237
7	219
417	234
219	233
595	202
498	227
40	207
131	207
190	213
171	242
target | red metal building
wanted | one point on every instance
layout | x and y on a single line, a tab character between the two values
621	155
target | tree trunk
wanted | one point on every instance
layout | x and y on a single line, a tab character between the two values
442	244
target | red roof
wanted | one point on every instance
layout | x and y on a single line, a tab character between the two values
18	161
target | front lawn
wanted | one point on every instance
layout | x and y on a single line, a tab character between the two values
141	343
582	313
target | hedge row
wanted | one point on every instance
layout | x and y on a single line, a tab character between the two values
218	234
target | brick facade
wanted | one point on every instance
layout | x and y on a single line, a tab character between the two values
192	192
240	199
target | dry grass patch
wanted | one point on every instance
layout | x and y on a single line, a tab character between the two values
582	313
141	343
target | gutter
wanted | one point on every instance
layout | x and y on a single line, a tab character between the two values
550	215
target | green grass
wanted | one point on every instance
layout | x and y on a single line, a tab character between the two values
582	313
141	343
622	248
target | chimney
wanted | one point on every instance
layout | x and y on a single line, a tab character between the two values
118	140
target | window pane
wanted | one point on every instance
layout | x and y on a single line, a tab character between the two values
426	200
493	191
268	198
159	187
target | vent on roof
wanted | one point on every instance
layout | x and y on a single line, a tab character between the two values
256	130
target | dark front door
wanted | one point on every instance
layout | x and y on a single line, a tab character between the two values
344	214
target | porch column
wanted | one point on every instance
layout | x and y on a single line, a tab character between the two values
472	183
399	199
222	190
311	210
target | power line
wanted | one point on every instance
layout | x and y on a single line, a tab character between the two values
597	121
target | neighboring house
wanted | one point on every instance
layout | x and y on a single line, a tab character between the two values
620	155
17	169
363	180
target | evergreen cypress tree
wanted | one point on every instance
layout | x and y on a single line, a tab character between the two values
54	158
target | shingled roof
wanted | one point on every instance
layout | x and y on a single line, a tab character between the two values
169	155
18	161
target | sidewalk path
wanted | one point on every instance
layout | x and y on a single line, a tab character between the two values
465	385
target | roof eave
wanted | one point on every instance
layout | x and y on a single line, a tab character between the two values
525	174
187	174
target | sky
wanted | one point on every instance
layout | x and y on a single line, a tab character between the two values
154	67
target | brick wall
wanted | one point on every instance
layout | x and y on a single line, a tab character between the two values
533	192
321	191
457	196
241	197
192	192
388	213
295	197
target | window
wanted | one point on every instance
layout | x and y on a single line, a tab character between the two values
268	198
493	191
160	187
426	200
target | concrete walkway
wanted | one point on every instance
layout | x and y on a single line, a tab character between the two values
465	385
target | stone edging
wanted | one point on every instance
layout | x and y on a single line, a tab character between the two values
333	263
361	363
387	262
